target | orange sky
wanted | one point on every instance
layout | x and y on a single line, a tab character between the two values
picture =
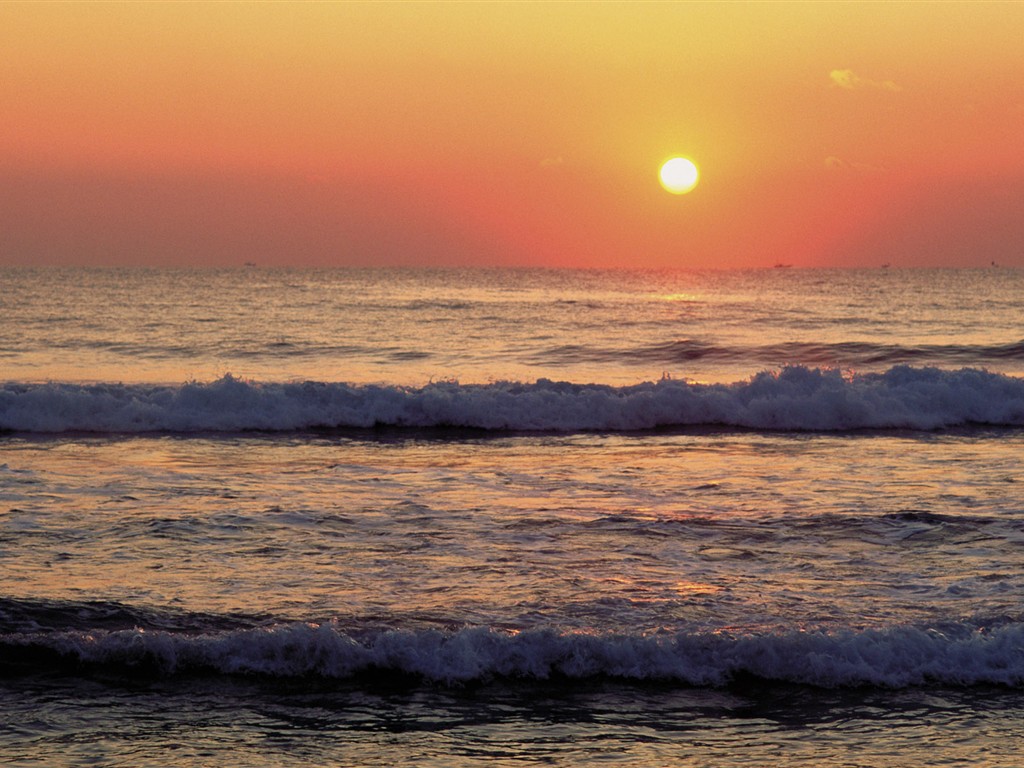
521	133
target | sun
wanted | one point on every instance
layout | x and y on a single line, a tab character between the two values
679	175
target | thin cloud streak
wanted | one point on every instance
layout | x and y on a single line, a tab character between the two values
847	79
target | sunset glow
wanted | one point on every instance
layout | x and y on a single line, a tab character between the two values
507	133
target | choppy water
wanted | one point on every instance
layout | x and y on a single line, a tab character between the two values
278	518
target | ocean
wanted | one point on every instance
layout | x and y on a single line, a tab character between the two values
259	517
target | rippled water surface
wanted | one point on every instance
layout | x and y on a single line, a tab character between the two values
610	532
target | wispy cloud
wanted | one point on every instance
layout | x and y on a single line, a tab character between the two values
833	163
848	79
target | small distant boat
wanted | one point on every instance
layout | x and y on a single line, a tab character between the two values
886	265
780	265
250	263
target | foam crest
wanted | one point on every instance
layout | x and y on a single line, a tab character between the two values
795	398
896	657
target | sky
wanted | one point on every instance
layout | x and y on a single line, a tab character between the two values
527	133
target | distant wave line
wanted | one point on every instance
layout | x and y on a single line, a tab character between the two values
849	353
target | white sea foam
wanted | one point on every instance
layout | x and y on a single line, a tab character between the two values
896	657
795	398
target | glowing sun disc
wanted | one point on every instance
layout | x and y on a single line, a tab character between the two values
678	175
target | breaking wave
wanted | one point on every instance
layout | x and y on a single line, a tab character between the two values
794	398
895	658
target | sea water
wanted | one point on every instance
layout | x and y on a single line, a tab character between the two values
288	517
